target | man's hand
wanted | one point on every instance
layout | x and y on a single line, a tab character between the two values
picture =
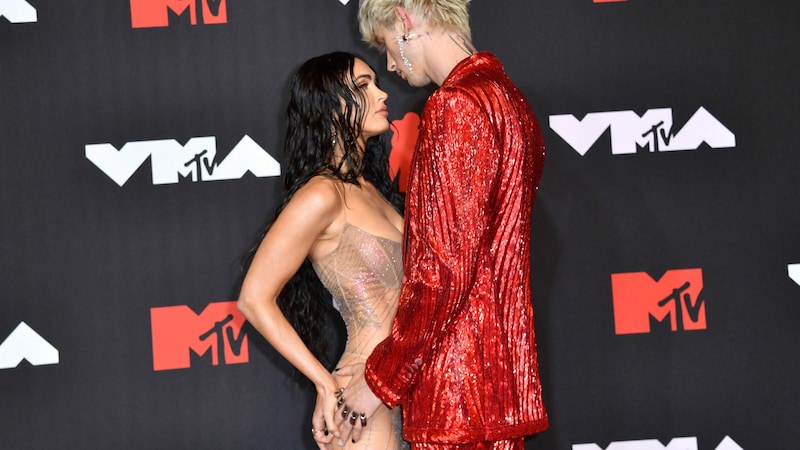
359	404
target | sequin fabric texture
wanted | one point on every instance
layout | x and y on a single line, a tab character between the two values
461	358
363	275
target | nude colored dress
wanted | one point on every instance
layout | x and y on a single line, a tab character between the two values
364	275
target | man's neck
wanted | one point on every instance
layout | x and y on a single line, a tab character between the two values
444	51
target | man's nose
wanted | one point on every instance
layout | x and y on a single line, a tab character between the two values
391	66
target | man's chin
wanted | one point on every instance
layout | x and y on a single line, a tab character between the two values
417	82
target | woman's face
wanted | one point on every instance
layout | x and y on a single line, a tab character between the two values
376	114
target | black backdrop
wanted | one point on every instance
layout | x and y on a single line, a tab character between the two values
121	238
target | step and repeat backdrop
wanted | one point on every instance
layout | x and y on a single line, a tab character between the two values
141	145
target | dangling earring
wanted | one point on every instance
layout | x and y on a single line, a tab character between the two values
400	41
333	140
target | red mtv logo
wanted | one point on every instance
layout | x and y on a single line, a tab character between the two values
155	13
177	331
404	141
677	295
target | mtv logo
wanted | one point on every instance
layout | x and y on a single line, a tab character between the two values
26	344
155	13
404	140
177	331
677	295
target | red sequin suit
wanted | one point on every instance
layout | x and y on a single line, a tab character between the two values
461	358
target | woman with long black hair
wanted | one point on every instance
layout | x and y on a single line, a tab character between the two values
337	232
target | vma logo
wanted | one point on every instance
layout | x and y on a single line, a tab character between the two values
169	160
25	344
178	332
652	131
18	11
683	443
641	302
404	141
794	272
156	13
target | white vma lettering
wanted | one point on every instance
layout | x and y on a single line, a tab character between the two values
794	272
170	160
25	344
652	130
18	11
683	443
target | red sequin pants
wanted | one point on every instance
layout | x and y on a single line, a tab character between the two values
514	444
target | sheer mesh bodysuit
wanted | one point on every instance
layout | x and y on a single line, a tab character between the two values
364	274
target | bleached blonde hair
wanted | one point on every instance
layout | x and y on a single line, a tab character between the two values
450	15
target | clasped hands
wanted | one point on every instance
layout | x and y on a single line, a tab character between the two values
342	415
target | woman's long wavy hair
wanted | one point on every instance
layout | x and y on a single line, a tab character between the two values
324	98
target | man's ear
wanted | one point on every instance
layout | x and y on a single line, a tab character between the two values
407	22
400	13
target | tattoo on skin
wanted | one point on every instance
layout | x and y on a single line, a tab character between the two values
463	43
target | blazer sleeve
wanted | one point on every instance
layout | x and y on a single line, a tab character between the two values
446	213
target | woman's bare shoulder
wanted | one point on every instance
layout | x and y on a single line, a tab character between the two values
319	199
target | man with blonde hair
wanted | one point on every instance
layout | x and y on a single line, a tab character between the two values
461	359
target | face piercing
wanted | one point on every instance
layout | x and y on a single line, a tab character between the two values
401	40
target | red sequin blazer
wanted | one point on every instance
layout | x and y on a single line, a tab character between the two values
461	358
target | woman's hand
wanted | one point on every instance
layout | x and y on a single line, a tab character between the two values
323	423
